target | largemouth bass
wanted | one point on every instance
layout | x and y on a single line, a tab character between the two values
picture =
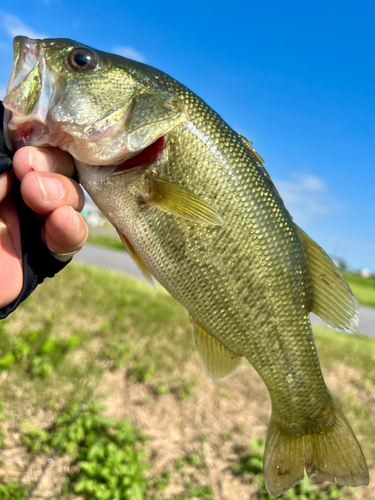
197	210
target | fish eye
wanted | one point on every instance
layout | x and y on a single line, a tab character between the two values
82	60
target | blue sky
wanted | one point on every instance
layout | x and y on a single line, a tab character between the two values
296	78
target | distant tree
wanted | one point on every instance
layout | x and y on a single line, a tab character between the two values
340	264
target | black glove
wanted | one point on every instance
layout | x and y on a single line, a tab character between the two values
38	262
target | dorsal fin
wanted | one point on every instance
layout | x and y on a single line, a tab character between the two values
136	259
249	147
333	300
218	361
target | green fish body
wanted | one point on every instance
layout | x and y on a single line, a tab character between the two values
197	210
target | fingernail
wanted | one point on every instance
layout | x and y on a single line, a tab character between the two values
51	188
41	161
75	218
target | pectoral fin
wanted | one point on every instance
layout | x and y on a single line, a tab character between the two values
218	361
178	201
137	260
153	115
333	300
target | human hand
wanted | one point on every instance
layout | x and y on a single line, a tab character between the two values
47	188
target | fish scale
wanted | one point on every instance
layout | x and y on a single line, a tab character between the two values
203	217
208	303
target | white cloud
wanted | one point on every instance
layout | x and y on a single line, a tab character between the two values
3	90
130	53
306	197
14	26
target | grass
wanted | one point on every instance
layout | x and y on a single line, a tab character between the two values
363	288
92	336
106	240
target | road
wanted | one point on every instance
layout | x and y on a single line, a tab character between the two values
120	261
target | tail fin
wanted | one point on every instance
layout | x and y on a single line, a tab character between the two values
328	454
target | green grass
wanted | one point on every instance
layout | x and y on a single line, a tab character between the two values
355	351
363	288
85	322
106	240
56	347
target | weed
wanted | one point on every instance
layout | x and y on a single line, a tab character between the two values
163	481
143	372
38	352
21	350
12	490
118	352
226	436
109	457
195	460
161	387
196	491
186	389
7	360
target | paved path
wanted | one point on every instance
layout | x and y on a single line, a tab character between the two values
119	260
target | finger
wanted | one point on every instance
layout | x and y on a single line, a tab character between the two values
29	159
9	215
10	268
45	192
11	254
65	231
6	181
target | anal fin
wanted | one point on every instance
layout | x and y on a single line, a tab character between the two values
136	259
217	359
333	300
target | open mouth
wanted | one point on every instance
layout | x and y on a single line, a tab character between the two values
142	158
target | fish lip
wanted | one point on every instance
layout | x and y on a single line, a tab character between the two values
22	66
28	57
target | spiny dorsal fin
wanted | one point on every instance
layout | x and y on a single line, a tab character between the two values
178	201
136	259
249	147
218	361
333	300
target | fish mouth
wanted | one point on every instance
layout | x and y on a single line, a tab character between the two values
19	132
144	157
30	92
89	173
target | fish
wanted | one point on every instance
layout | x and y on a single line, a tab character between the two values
197	211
